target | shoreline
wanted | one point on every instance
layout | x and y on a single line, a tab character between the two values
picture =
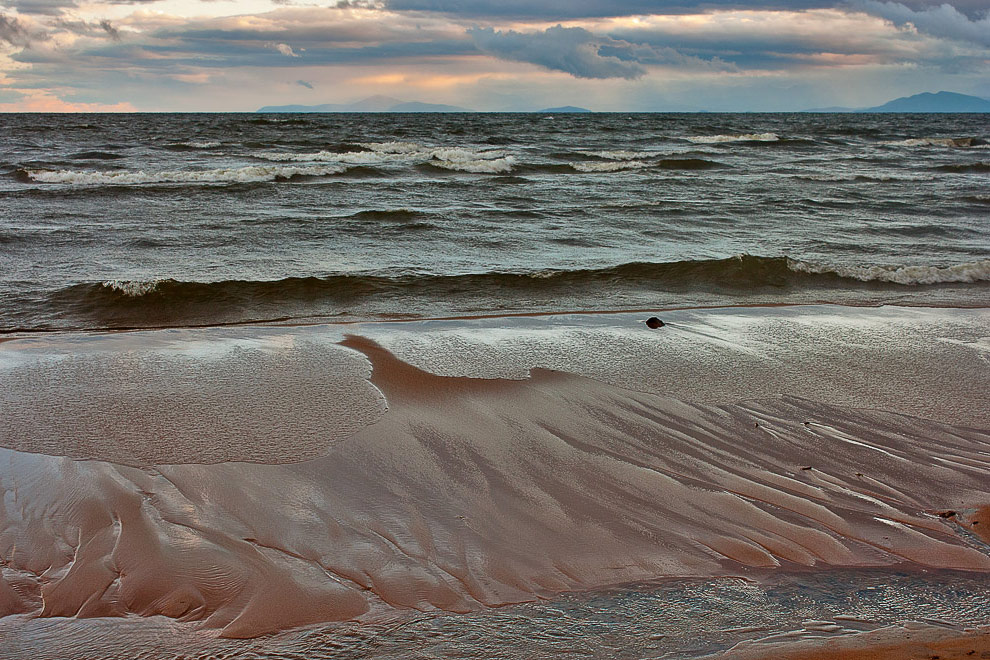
14	334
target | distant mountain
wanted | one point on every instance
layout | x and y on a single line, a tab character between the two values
926	102
565	108
940	102
416	106
370	104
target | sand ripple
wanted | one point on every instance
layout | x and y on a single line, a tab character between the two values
473	492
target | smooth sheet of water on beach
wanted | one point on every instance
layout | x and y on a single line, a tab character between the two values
333	386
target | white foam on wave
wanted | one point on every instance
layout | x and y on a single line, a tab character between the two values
249	174
479	161
969	272
452	158
348	157
394	147
200	145
617	154
614	166
932	142
133	288
745	137
476	165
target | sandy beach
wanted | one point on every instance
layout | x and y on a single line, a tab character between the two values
245	482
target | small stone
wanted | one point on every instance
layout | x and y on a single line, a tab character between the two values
654	323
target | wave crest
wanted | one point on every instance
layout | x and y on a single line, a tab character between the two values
936	142
745	137
611	166
975	271
248	174
161	301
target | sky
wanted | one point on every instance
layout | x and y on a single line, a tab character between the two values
488	55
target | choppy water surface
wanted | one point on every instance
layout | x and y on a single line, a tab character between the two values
152	220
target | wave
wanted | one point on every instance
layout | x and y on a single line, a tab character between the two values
467	161
965	168
191	146
248	174
377	153
602	166
936	142
617	154
745	137
394	147
859	178
609	166
689	164
347	157
96	155
974	271
165	300
390	215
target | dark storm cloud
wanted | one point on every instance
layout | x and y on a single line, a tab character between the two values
572	50
583	54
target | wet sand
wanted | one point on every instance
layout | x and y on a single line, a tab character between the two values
904	642
458	493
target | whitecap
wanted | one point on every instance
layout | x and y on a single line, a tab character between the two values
393	147
477	165
969	272
133	288
931	142
616	154
249	174
614	166
745	137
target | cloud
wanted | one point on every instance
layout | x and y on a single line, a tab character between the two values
583	54
307	85
110	29
566	9
13	32
285	49
558	10
58	7
573	50
943	21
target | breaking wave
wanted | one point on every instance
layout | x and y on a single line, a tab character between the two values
163	300
745	137
936	142
975	271
249	174
377	153
610	166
